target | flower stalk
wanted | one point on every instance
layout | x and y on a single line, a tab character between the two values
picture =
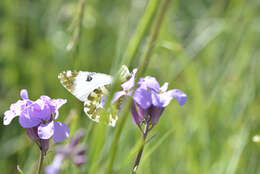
139	155
42	154
153	36
76	27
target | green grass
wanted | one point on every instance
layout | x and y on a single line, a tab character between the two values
208	49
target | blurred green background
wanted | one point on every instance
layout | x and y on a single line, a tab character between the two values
209	49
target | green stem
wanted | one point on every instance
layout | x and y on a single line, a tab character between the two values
119	128
139	155
81	14
141	30
40	162
77	27
153	36
19	169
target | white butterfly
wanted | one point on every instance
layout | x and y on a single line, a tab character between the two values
91	88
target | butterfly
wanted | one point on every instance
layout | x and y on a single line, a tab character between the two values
92	89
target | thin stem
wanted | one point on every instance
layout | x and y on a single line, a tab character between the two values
117	136
153	36
81	14
139	155
40	162
76	26
138	158
140	128
19	169
142	28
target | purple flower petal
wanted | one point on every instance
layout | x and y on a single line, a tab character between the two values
142	113
41	110
45	100
79	159
63	150
61	131
128	85
55	166
180	96
150	83
53	104
46	131
156	112
44	145
156	99
9	115
135	116
78	154
103	101
28	119
24	94
117	95
161	100
78	135
142	97
19	106
164	87
33	133
58	102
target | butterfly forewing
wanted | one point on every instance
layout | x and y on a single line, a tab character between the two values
82	83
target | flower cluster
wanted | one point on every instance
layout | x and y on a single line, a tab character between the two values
39	118
149	98
73	150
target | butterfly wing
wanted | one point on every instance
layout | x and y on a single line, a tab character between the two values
88	87
82	83
91	88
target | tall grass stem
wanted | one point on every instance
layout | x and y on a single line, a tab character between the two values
76	27
141	31
153	36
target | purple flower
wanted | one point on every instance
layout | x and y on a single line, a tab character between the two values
149	99
73	150
38	117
